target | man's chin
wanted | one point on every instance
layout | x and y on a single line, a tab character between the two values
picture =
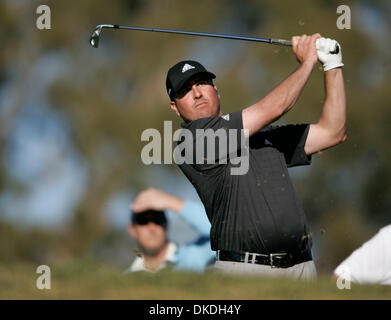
152	251
207	113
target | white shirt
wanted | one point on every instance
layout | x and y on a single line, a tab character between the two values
371	263
138	263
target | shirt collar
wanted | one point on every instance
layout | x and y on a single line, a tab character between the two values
138	264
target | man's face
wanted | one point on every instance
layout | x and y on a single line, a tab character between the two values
151	237
197	99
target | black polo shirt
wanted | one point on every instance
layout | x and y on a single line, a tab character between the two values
258	211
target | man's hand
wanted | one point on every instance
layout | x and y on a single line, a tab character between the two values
329	60
304	48
154	199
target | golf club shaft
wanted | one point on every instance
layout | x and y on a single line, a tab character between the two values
204	34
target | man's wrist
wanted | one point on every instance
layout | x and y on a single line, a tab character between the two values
333	66
308	65
333	71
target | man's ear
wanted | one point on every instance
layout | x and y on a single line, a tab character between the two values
132	231
217	91
174	107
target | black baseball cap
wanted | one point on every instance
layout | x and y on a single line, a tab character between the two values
181	72
144	217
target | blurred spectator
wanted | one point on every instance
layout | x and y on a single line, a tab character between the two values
371	263
148	227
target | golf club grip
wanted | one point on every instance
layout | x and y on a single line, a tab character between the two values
281	42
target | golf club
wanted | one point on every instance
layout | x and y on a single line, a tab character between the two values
94	38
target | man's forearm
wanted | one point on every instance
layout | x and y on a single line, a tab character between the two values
285	95
174	203
333	116
279	101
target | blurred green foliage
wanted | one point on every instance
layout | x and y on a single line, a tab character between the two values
88	280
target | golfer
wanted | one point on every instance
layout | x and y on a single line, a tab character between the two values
258	223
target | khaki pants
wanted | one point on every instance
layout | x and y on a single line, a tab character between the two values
301	271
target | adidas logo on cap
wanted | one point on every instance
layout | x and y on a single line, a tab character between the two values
187	67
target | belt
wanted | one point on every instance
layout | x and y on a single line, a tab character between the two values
275	260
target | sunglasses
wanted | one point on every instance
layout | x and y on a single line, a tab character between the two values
145	217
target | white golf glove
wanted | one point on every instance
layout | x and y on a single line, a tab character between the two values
324	47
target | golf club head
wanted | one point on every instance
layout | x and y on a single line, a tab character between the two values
94	38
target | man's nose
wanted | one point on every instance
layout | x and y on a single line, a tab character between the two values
151	225
196	91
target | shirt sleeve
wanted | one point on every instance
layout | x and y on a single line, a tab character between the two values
194	214
290	140
371	263
193	257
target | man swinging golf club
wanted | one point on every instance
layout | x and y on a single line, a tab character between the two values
258	224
